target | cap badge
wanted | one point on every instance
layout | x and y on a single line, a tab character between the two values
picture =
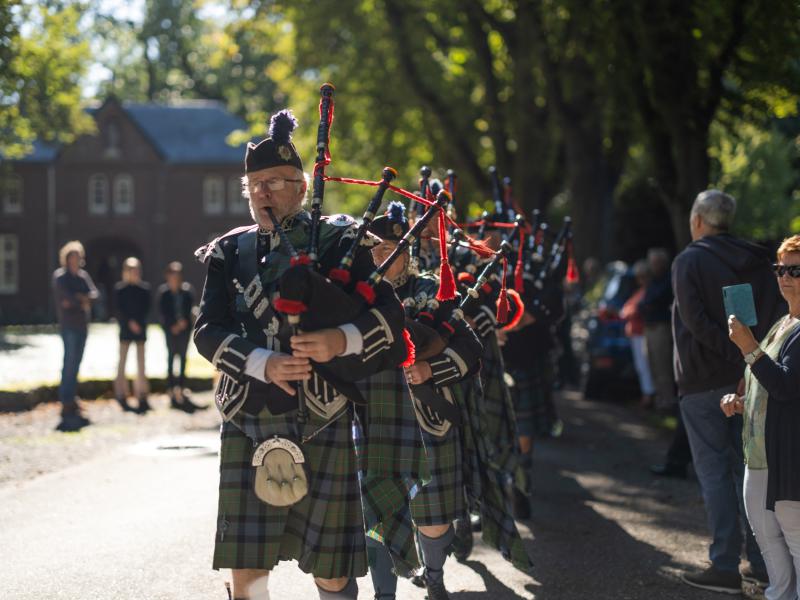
285	152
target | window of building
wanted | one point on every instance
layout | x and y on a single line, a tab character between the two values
9	264
98	194
213	195
11	192
123	194
237	203
112	139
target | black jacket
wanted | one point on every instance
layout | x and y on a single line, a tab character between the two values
705	358
133	304
174	307
781	379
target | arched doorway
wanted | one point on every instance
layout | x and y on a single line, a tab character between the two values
104	258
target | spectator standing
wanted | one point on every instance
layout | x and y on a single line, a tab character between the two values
656	310
133	305
771	407
708	367
175	302
74	292
634	330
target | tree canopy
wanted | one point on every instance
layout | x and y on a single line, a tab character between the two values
591	107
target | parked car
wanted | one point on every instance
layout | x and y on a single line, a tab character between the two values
609	362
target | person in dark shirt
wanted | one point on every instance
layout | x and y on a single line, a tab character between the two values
175	302
656	310
133	305
708	366
74	292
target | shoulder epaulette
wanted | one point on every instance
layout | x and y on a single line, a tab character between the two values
213	249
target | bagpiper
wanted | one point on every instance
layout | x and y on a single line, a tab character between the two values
289	484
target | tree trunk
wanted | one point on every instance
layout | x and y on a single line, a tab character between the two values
691	166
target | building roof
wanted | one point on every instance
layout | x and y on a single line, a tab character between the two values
189	132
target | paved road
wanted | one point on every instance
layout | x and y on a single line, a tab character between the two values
136	522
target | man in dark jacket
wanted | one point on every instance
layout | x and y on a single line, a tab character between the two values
708	366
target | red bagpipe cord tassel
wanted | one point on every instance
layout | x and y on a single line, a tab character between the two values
300	259
519	283
519	310
340	275
447	283
411	351
289	307
572	269
366	291
502	300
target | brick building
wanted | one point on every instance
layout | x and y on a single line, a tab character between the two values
154	182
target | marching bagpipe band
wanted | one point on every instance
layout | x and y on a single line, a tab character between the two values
312	300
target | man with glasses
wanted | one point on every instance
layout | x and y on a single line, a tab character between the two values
309	508
708	366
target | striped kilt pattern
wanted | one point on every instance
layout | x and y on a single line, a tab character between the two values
532	393
324	532
499	419
393	465
484	482
441	501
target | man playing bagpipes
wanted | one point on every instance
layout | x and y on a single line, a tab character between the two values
529	346
447	360
288	472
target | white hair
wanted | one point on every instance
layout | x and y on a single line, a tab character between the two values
716	208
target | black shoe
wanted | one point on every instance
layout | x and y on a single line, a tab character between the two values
436	589
123	404
726	582
521	505
72	422
462	540
757	577
185	406
144	406
669	470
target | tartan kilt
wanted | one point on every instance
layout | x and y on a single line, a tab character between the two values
393	465
532	393
441	500
324	532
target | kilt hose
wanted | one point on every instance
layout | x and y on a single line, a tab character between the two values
484	482
393	465
324	532
499	419
532	393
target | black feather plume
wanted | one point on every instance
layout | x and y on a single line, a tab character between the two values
281	126
396	212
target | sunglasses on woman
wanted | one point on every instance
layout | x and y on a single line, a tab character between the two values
781	270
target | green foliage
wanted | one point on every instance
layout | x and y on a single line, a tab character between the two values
45	58
758	167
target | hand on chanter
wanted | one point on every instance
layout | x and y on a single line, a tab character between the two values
283	368
419	372
319	346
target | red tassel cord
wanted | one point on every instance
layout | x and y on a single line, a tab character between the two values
519	283
447	283
289	307
502	300
517	312
366	291
573	276
340	275
411	351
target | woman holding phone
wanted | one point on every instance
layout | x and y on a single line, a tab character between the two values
770	405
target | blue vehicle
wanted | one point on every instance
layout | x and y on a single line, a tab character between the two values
609	370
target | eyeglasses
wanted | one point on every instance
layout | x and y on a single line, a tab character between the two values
274	185
791	270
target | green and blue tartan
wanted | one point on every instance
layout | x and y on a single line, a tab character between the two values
532	394
483	482
393	465
500	422
324	532
441	501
